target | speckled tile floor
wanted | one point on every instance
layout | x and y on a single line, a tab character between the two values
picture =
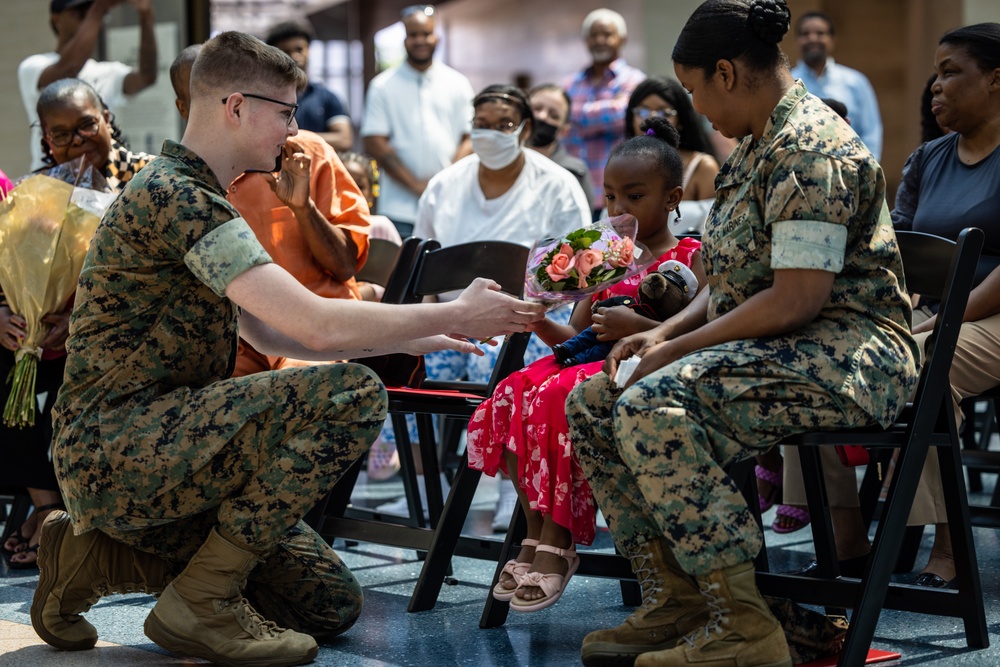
386	635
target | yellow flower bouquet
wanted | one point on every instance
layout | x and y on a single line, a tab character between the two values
46	224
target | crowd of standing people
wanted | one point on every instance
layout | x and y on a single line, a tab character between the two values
193	399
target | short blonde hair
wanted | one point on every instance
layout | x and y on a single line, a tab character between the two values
237	62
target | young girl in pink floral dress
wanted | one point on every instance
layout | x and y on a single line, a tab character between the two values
522	428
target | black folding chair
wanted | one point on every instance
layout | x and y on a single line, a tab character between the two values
383	256
437	271
944	269
979	458
396	280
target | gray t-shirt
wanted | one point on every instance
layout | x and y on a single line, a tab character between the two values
940	195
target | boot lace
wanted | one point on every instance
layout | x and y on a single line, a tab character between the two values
250	618
717	614
649	584
123	588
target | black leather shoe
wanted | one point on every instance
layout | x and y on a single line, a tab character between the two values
852	567
931	580
561	354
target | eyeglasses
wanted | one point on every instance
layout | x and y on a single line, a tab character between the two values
644	113
407	12
84	130
291	114
506	128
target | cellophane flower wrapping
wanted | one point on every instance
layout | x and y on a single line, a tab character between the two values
46	223
585	261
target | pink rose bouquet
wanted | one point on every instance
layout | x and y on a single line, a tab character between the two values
585	261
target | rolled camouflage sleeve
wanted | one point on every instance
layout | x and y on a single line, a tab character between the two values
224	253
808	244
809	205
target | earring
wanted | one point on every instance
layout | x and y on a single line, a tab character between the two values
677	212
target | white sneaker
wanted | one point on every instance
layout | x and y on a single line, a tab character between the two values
400	507
506	504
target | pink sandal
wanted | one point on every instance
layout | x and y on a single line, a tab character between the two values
551	584
799	515
772	477
383	460
516	570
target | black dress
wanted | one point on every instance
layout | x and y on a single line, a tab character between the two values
24	452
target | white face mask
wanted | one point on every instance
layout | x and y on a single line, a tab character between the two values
497	149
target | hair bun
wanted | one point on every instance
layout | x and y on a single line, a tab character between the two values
662	129
769	19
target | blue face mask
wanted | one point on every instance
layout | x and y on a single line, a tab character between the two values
497	149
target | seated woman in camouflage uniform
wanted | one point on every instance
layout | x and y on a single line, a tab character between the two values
804	325
164	461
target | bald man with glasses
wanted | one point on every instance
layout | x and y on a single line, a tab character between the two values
417	119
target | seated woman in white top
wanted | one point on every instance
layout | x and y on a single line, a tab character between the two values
501	191
662	96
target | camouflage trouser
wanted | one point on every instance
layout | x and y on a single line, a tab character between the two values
654	454
260	484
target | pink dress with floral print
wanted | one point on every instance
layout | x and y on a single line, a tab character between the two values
527	415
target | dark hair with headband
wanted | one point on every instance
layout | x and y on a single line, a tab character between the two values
731	29
507	94
692	133
658	143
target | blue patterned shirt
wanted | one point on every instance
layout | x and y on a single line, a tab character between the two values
597	117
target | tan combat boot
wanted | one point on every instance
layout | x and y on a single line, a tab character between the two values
75	571
203	613
671	607
741	631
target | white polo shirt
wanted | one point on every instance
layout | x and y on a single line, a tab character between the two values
424	115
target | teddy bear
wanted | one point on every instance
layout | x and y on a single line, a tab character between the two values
662	294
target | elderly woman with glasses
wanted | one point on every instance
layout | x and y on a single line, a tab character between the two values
75	123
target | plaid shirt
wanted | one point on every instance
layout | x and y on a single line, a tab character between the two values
597	119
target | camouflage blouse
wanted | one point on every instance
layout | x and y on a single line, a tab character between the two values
809	195
151	327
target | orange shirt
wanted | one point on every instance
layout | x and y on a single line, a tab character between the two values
337	197
335	194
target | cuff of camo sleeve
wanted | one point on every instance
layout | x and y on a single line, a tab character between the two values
224	253
808	244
